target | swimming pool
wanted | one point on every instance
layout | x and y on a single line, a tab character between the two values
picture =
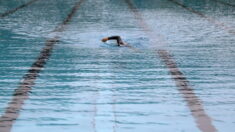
86	85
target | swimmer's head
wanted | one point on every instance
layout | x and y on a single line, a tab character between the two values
104	39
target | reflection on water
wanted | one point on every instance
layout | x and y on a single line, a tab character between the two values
91	86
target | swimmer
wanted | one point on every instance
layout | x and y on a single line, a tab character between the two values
118	38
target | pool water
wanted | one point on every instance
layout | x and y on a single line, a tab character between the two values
90	86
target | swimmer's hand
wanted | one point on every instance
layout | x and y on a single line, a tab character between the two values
105	39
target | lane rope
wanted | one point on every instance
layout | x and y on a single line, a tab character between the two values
9	12
209	19
203	121
21	94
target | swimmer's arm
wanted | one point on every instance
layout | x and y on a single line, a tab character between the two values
118	38
114	37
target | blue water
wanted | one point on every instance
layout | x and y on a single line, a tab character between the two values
91	86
